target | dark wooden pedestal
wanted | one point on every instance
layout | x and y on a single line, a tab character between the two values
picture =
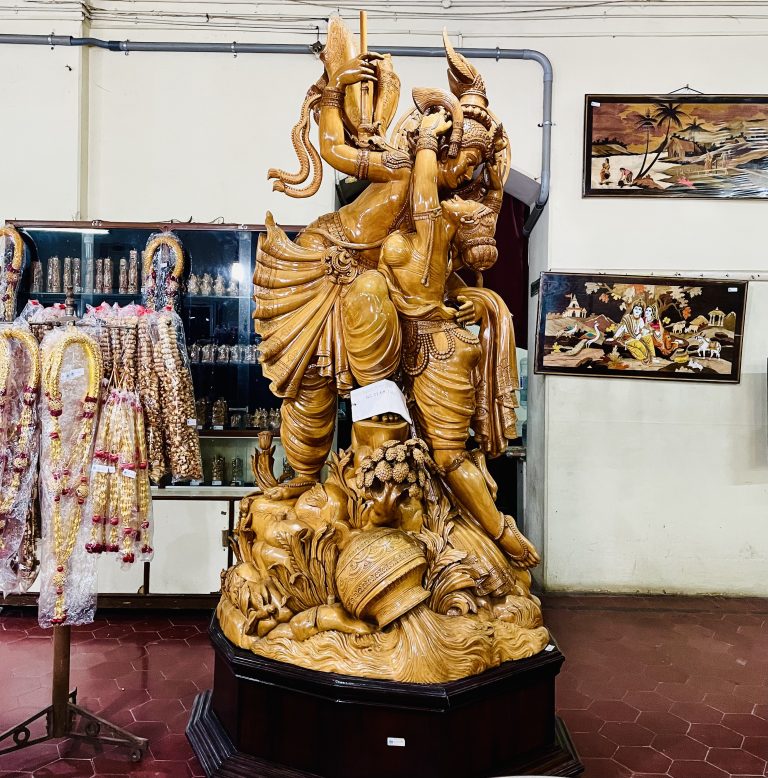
266	719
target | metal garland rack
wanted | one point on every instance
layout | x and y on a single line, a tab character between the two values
63	717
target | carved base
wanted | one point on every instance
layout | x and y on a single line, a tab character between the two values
267	719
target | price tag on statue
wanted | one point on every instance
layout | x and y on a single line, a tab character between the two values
378	398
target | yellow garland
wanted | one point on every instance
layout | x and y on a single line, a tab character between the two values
12	272
74	467
18	449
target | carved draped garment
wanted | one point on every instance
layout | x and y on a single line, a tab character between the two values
298	293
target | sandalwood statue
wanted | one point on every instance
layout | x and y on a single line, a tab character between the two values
399	565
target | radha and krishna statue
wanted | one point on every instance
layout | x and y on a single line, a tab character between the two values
398	565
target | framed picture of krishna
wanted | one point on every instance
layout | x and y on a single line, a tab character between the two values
677	145
640	327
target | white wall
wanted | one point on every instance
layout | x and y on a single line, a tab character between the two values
633	485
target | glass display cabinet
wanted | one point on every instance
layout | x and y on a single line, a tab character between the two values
98	261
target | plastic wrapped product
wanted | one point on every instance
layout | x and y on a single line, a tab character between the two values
12	263
133	272
177	399
68	281
98	286
71	377
107	279
122	283
54	275
19	446
77	275
149	393
163	267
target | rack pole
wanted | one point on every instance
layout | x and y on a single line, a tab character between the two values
60	713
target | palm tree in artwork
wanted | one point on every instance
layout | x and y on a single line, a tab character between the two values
693	128
667	114
645	124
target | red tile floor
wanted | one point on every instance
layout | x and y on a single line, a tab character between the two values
652	686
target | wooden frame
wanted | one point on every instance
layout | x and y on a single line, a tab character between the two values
676	145
687	329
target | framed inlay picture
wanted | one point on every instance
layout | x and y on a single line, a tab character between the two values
677	145
640	327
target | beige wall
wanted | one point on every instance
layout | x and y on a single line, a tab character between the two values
632	485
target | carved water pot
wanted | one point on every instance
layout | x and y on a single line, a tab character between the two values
379	574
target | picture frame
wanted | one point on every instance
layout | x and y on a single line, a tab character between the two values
676	145
688	329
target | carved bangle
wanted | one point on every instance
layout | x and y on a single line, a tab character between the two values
363	160
332	97
431	215
426	141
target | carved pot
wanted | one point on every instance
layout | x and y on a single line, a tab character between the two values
379	575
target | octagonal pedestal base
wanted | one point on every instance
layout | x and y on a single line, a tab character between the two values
267	719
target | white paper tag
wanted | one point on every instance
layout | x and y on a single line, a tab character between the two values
396	741
377	398
192	422
129	473
215	483
95	468
75	372
195	483
218	427
550	647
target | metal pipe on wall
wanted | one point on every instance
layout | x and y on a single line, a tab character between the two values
291	48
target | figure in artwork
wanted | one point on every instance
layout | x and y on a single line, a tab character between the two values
640	326
398	565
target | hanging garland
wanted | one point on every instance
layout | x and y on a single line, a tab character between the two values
11	269
67	483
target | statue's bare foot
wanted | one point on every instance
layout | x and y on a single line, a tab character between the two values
290	490
519	548
336	618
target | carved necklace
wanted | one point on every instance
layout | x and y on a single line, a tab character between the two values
69	469
19	436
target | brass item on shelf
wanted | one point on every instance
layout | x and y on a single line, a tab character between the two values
222	353
237	472
206	285
193	284
219	289
217	469
233	288
208	353
220	413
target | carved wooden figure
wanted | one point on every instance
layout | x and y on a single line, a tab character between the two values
399	565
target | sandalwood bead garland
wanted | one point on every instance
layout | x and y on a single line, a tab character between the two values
178	400
149	393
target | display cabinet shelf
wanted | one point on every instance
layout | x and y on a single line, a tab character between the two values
225	434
